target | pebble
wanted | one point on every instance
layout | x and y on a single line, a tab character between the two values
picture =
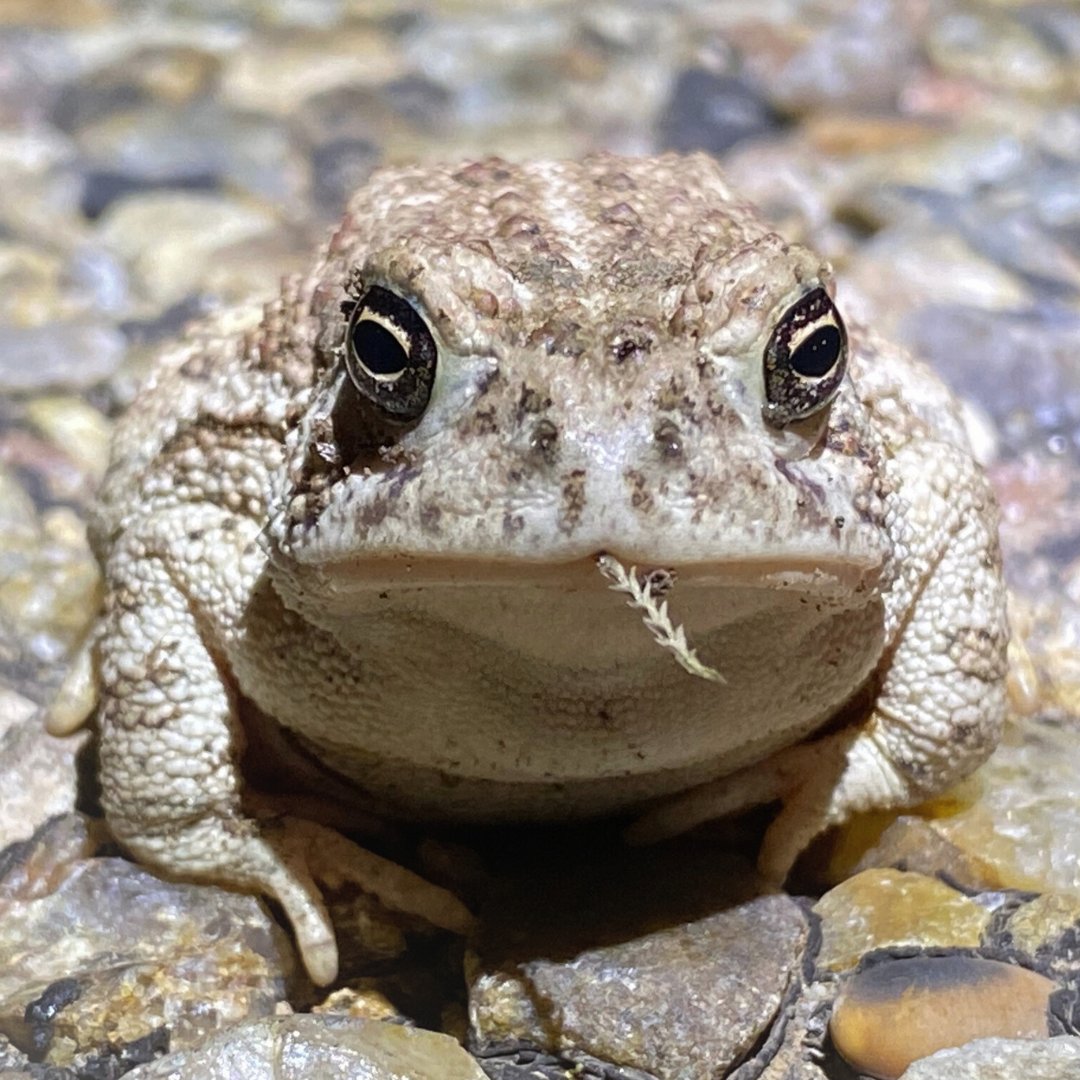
979	351
997	50
678	1002
301	1047
76	429
274	75
925	268
858	52
898	1011
40	357
38	770
666	968
1002	1059
713	112
1026	821
171	241
203	145
887	908
185	960
174	74
912	844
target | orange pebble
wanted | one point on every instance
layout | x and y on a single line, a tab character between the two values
898	1011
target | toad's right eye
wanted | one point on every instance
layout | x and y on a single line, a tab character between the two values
390	355
805	359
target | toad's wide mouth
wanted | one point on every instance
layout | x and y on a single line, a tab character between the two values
815	576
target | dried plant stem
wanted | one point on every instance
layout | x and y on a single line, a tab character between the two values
644	596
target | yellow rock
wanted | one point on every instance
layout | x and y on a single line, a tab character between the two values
880	909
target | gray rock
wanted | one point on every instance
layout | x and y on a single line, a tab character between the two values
204	142
1002	1059
70	354
693	999
100	958
859	57
301	1047
175	243
713	112
1020	366
37	771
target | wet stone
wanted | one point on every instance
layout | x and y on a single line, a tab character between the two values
897	1011
77	982
860	54
1026	820
40	357
300	1047
274	75
667	997
713	112
172	241
340	167
913	844
103	187
1002	1059
198	146
798	1049
173	74
1046	928
930	267
1036	402
996	50
37	771
881	909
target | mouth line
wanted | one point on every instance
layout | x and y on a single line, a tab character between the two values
797	574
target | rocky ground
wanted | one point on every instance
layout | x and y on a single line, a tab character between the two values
164	157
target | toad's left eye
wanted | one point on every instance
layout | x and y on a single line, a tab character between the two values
804	360
390	356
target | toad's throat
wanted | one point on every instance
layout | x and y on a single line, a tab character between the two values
522	691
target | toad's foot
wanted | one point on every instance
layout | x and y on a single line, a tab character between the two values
333	860
285	859
814	782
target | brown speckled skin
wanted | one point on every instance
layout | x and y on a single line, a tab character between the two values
428	620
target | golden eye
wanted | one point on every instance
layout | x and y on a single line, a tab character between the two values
804	360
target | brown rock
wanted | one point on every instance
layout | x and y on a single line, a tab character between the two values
898	1011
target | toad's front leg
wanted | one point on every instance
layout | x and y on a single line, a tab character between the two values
171	741
940	697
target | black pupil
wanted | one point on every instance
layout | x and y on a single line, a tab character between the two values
817	354
377	349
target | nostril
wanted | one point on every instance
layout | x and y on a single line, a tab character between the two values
544	440
668	439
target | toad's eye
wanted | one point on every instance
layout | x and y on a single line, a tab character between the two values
804	360
390	355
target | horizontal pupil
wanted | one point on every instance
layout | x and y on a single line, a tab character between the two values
817	354
377	349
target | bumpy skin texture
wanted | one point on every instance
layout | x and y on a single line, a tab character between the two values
424	620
